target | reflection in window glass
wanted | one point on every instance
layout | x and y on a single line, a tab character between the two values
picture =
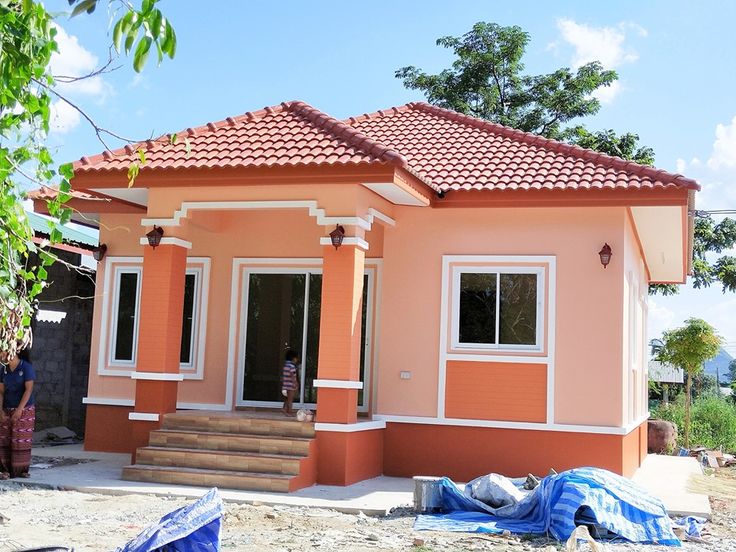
125	322
187	324
478	308
518	309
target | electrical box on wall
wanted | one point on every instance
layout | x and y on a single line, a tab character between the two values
405	374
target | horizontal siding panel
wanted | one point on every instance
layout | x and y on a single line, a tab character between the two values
504	391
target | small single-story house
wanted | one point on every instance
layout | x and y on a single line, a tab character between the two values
465	297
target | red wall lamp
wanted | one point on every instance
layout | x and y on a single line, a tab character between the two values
605	254
337	235
154	236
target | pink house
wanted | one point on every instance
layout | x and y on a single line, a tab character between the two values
467	322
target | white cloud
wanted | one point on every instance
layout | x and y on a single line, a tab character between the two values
604	44
724	148
73	60
606	94
717	175
659	318
63	117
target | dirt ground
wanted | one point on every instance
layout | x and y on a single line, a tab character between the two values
91	522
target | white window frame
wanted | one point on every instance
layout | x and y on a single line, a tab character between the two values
119	271
539	272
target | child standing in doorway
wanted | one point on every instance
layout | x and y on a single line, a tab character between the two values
289	381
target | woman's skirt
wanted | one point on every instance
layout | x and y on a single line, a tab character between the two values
16	439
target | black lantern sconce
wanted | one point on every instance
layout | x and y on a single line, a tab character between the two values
605	254
337	235
98	253
154	236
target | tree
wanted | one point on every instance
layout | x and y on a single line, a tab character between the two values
27	86
732	371
688	348
486	80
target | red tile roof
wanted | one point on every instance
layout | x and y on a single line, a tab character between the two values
289	134
444	149
453	151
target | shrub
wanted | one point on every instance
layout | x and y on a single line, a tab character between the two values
713	421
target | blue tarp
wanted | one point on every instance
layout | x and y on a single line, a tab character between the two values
193	528
611	502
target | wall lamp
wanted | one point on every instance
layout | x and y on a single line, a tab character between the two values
98	253
154	236
337	235
605	254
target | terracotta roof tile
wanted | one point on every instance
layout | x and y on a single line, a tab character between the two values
290	134
444	149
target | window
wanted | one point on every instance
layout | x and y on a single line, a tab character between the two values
497	308
124	319
125	315
188	327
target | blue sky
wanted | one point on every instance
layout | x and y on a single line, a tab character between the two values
675	60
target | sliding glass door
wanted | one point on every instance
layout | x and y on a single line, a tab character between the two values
282	312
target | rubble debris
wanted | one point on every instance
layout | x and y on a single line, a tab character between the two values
54	436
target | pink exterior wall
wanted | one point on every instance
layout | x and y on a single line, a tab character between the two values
589	323
221	235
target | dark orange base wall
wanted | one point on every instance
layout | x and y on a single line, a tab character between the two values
345	458
108	429
464	453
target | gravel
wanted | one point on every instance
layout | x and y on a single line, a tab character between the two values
92	522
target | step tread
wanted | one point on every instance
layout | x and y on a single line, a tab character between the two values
256	475
233	435
244	454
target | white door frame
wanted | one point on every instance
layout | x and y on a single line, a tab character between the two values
290	268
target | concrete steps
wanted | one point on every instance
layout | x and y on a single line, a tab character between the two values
259	453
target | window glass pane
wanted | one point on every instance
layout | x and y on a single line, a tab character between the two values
363	337
518	309
477	308
125	323
275	324
187	324
313	317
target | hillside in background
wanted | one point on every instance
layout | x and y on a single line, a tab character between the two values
720	365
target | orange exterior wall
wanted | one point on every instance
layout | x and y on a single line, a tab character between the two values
589	322
464	453
496	391
346	458
108	429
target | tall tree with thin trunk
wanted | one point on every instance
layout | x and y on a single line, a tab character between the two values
689	348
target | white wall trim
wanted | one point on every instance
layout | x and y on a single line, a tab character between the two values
498	358
108	402
156	376
169	241
108	302
348	240
350	428
310	204
606	430
376	214
143	417
338	384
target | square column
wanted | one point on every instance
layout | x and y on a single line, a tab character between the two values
339	333
159	337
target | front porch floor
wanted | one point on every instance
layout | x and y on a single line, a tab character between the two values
101	474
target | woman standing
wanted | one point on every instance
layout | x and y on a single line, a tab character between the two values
17	415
